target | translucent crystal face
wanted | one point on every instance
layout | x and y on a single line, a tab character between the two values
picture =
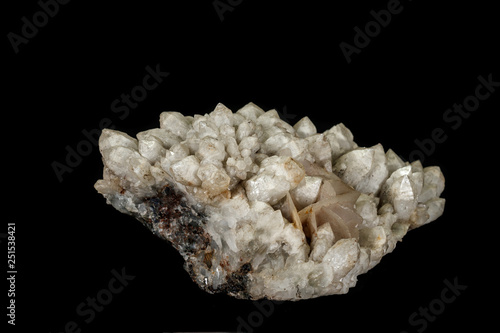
259	208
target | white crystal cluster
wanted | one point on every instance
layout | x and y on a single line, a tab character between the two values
259	208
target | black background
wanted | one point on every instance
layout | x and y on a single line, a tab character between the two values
276	54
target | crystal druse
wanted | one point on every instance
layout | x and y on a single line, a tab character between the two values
262	209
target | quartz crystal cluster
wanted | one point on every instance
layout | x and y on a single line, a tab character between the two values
260	208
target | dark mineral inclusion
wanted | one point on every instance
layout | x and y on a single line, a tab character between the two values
172	218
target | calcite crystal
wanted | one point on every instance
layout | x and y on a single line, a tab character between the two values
262	209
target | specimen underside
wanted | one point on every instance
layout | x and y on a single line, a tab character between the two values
260	208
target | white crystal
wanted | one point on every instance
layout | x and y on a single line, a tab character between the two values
365	169
175	123
306	192
259	208
276	177
304	128
185	171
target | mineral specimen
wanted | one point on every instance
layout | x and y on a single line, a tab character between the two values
259	208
